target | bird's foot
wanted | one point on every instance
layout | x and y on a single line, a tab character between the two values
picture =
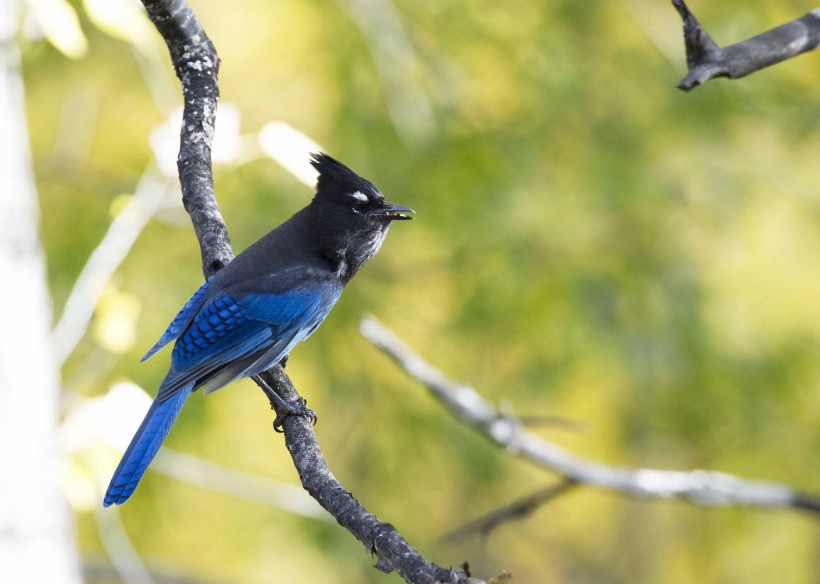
283	407
297	408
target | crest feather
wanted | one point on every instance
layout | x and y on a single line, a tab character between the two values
337	179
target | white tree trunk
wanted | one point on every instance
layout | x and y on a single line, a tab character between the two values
36	532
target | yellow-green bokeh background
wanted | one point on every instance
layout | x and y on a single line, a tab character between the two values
590	243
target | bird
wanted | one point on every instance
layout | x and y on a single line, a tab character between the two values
272	296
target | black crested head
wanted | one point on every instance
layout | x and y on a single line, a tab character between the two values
339	185
337	181
349	216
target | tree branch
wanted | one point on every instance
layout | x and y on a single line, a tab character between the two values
707	60
708	488
380	538
197	64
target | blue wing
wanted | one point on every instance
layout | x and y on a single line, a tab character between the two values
238	336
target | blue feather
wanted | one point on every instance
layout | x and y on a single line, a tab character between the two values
185	315
144	446
286	310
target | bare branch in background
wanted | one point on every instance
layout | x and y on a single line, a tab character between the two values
236	483
707	60
516	510
707	488
104	260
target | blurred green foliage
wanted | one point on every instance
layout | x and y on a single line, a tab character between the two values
590	243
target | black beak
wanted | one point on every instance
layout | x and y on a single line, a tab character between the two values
393	212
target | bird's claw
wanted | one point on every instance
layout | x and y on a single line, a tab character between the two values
293	409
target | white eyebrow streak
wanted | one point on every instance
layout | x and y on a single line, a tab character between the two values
359	196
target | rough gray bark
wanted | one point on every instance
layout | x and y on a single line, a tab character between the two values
197	66
707	60
36	535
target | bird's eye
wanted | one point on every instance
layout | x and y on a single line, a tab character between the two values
359	206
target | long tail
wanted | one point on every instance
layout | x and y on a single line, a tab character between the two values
144	446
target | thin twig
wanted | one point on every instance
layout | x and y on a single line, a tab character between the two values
515	510
708	488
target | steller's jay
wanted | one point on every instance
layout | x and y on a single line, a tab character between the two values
273	295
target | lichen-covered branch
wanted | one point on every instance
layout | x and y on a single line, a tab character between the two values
707	60
196	63
708	488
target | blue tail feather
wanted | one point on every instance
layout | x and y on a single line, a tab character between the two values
144	446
